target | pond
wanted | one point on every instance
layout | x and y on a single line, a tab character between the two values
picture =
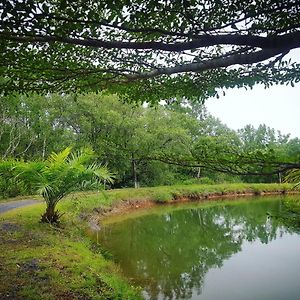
213	250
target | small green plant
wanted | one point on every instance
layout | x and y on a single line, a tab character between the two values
162	196
61	174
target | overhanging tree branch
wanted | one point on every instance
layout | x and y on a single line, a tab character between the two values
227	167
287	41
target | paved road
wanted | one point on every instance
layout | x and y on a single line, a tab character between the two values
5	206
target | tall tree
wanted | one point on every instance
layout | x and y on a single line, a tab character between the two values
134	46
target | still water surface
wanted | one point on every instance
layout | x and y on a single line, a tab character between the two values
221	250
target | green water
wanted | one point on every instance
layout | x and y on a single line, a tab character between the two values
210	251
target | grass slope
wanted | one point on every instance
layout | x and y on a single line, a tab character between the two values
42	262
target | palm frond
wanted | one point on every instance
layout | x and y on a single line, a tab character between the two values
47	191
81	157
104	174
60	157
6	166
293	176
29	172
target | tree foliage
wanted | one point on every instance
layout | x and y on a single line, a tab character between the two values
147	50
32	126
259	153
167	144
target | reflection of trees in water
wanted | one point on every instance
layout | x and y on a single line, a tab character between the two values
170	254
289	216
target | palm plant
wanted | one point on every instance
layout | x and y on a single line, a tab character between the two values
293	176
61	174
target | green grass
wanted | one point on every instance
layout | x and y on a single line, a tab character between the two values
42	262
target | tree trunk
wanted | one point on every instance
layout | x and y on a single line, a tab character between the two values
44	148
279	177
199	172
134	175
51	215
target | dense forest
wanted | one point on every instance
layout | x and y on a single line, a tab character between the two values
172	142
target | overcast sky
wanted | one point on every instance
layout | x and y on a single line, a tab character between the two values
277	106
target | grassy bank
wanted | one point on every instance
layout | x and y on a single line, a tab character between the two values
84	202
43	262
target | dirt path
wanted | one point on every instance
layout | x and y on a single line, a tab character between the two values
5	206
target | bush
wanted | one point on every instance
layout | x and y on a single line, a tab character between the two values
10	186
162	196
202	180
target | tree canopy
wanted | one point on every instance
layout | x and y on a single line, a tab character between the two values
147	50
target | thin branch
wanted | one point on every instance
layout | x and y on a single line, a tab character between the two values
26	149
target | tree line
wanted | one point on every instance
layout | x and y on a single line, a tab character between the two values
173	142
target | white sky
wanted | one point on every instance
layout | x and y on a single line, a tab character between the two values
278	106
